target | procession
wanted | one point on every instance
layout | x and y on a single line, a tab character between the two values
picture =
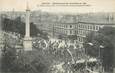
57	37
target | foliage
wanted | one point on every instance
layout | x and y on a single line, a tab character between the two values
25	61
18	26
34	62
104	37
73	37
8	57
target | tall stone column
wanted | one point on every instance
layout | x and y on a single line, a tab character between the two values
27	34
27	43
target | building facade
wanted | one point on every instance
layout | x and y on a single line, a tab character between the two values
93	22
64	25
84	28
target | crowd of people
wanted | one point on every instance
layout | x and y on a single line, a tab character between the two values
65	53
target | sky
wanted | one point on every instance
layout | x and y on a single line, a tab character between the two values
95	6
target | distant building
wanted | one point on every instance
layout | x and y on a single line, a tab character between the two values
13	15
84	28
56	25
65	25
91	23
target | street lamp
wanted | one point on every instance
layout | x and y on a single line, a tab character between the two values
100	63
91	44
100	47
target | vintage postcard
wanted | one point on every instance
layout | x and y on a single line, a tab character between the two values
57	36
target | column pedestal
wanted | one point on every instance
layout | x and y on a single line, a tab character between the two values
27	43
114	70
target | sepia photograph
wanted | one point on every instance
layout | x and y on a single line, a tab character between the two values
57	36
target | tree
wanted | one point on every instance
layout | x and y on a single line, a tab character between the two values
60	37
92	50
8	56
104	37
13	25
72	37
18	26
34	62
10	62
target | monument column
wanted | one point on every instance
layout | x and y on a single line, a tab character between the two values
27	43
27	22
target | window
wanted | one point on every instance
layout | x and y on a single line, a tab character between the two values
94	27
66	26
66	32
70	31
83	26
97	27
90	27
79	26
70	26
